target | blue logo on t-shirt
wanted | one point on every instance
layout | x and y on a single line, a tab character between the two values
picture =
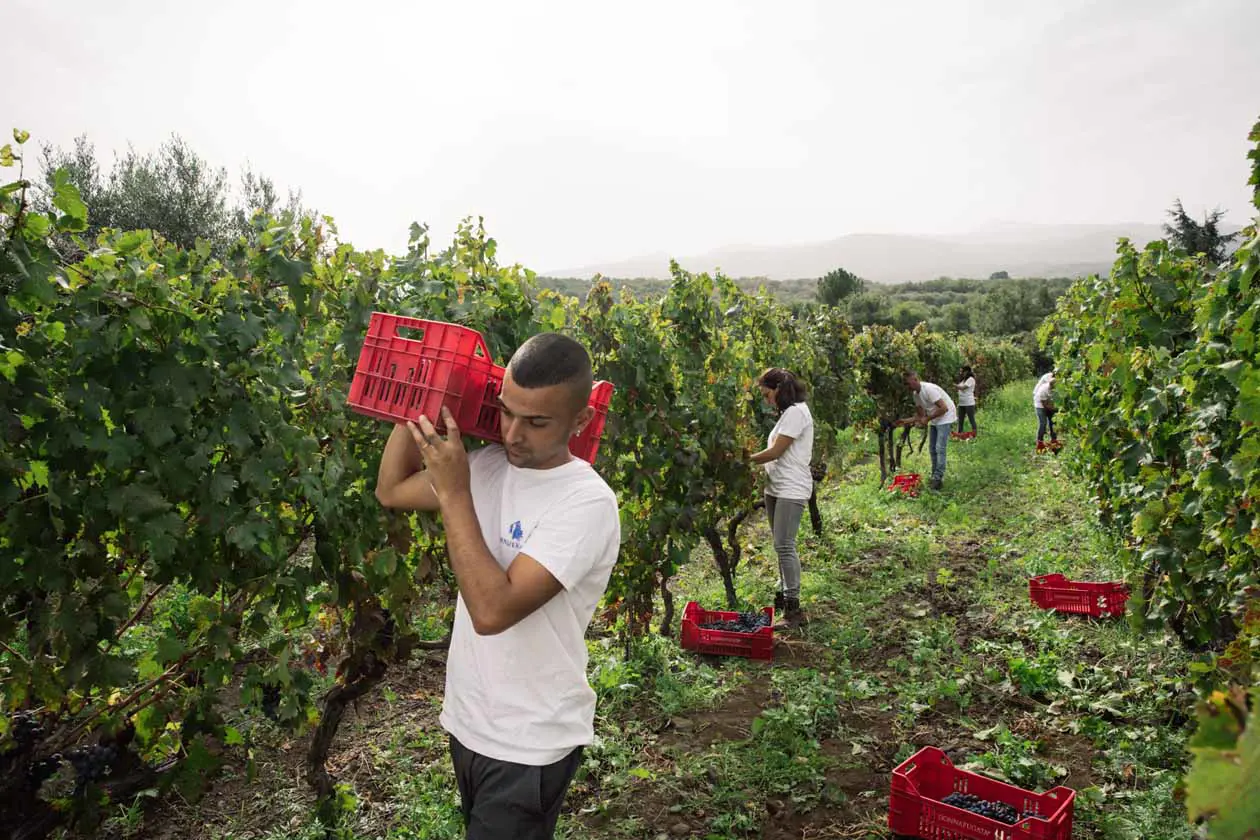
515	531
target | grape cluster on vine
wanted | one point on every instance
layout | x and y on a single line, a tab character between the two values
91	763
26	729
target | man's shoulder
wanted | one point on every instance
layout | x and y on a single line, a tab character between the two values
588	484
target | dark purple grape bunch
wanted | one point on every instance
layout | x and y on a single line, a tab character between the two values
745	622
999	811
26	729
91	763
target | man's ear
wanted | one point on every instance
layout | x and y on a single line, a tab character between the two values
585	416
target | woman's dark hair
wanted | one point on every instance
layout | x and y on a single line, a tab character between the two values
788	390
966	371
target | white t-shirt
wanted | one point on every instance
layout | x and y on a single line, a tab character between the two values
1042	393
789	474
522	695
967	391
926	398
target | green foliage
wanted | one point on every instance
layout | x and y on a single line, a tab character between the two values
172	191
1159	376
1158	373
1197	239
837	285
1223	786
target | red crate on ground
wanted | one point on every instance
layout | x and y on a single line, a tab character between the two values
399	377
920	783
756	645
907	483
1056	592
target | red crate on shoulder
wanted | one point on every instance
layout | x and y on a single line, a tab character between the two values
584	446
399	377
1056	592
920	783
756	645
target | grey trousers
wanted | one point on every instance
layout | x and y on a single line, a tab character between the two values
785	521
504	801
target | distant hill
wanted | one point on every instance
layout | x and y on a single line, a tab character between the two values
1020	250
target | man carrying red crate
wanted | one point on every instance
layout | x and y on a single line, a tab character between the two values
533	534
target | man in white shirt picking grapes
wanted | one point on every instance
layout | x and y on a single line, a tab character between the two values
934	409
533	534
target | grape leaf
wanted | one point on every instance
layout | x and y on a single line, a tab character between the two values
1224	783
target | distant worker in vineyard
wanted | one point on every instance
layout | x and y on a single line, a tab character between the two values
787	458
935	410
966	398
533	534
1043	404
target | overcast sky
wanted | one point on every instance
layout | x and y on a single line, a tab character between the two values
589	131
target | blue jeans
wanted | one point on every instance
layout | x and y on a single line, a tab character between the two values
938	436
1045	418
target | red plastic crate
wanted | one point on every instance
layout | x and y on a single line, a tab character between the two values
398	378
962	435
1056	592
907	483
756	645
928	776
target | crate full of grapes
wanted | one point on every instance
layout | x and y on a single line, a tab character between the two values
931	798
728	633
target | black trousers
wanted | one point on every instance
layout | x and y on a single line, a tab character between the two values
965	411
503	801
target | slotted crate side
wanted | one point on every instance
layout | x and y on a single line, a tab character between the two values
1054	591
758	645
399	378
584	446
921	781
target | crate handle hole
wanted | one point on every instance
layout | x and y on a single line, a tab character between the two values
410	333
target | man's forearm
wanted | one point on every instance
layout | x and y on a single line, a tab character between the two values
482	582
400	460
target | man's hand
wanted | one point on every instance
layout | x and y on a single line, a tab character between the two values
445	461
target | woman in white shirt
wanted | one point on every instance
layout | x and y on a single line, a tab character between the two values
966	398
786	458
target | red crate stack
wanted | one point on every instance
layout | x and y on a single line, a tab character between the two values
398	378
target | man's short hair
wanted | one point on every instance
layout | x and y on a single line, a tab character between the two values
554	359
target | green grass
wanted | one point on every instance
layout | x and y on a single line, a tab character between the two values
921	632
